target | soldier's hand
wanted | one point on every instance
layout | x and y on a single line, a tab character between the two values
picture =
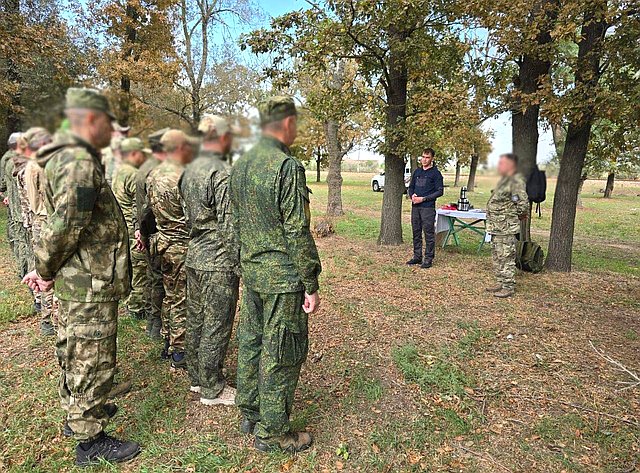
311	302
36	283
140	246
5	201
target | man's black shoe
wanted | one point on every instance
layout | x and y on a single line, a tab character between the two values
109	408
413	261
247	426
164	354
426	265
179	360
105	448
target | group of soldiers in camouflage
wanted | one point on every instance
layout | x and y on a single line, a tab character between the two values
169	231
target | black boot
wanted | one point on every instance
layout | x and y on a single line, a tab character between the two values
164	354
414	260
247	426
105	448
109	408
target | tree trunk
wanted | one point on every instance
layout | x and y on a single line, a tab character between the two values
130	39
579	199
13	120
334	175
396	112
608	190
456	182
471	181
587	76
318	160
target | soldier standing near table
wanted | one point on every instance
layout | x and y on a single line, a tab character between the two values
146	236
507	205
173	238
84	248
211	264
31	183
134	155
280	269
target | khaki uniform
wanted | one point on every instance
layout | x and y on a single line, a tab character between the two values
171	244
507	202
124	189
18	223
83	246
279	262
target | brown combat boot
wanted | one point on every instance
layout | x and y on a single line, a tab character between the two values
293	442
119	389
495	288
504	293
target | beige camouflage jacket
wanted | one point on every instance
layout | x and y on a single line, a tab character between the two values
84	243
508	201
124	188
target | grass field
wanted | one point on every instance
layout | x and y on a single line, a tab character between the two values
409	370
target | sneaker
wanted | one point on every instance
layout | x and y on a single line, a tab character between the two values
247	426
179	360
109	408
426	264
47	329
413	261
105	448
226	398
293	442
164	354
195	389
494	288
119	389
504	293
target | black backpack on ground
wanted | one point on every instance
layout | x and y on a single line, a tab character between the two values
537	188
529	256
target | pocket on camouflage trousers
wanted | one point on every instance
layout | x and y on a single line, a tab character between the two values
293	343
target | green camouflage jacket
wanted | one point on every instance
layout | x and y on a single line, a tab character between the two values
166	203
6	157
124	188
508	200
204	190
270	207
15	166
84	243
146	221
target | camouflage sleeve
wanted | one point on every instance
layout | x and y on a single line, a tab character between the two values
75	186
519	196
130	189
296	217
3	164
32	183
218	195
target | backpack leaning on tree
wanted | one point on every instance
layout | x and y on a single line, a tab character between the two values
529	255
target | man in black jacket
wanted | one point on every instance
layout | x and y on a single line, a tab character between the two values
424	189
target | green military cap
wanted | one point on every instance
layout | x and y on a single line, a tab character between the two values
276	108
88	98
133	144
36	137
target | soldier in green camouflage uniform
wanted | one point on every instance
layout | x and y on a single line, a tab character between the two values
212	262
146	235
84	248
112	155
12	144
280	268
31	184
19	226
507	205
134	155
173	237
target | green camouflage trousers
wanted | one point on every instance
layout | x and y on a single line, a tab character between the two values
212	298
154	293
86	350
21	247
504	259
174	305
47	300
272	346
136	302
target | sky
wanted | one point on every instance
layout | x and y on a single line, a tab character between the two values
501	125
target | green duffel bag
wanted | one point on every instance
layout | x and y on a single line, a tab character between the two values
529	256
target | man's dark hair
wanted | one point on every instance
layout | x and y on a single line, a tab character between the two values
156	147
511	157
430	151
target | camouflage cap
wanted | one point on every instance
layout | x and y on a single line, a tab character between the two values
13	138
173	138
133	144
156	136
214	125
276	108
88	98
36	137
